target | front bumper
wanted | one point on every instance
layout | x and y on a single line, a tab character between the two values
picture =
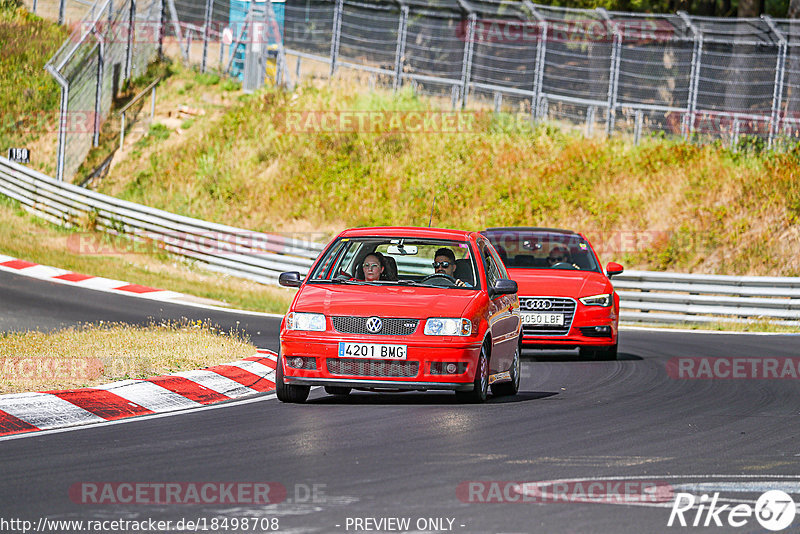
426	356
583	331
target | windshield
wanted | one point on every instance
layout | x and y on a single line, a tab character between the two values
536	249
397	261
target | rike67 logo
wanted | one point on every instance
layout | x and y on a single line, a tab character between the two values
774	510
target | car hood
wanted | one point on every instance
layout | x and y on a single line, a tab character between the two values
559	283
385	301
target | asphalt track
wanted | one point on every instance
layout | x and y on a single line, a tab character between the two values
411	455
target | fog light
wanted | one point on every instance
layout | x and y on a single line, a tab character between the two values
602	329
451	368
296	362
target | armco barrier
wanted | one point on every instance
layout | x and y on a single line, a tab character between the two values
648	297
257	256
654	297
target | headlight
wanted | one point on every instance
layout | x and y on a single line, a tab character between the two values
598	300
306	321
444	326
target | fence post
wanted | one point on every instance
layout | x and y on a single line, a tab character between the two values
637	126
613	73
207	32
466	64
400	52
777	90
694	76
61	12
177	27
129	46
336	34
541	50
62	119
98	90
161	19
34	6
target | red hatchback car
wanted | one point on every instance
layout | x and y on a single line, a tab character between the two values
402	309
566	299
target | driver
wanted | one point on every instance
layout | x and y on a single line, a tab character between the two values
444	262
559	254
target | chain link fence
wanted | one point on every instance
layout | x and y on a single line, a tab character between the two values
733	80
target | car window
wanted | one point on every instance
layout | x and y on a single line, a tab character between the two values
543	249
410	261
492	272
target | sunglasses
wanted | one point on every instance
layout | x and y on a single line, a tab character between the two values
370	266
438	264
556	259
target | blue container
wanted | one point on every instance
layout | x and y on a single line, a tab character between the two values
238	13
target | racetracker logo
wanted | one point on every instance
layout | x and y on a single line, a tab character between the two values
50	368
306	122
774	510
727	368
582	30
152	493
620	491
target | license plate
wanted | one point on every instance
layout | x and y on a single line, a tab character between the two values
543	318
372	350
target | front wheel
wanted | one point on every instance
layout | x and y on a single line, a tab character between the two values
288	392
480	387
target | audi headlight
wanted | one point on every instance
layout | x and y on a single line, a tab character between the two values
306	321
598	300
446	326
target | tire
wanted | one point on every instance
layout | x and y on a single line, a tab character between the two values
512	387
480	387
340	391
288	392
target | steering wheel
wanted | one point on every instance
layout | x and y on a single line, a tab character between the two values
443	276
564	265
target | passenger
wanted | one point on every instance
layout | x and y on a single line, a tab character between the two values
373	267
444	262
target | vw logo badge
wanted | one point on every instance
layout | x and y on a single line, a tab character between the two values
374	325
536	304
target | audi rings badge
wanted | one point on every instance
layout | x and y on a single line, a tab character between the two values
535	304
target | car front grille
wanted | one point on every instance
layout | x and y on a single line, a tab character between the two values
379	368
561	305
391	326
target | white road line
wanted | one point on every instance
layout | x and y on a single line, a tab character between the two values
46	411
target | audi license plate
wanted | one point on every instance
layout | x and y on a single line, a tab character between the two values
372	350
543	318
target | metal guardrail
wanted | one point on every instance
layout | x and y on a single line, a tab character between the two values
253	255
657	297
648	297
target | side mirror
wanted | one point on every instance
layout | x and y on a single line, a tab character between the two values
291	279
613	269
503	286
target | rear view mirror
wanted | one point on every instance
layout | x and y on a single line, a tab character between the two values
402	250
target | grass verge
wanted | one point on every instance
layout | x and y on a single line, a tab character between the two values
89	355
26	237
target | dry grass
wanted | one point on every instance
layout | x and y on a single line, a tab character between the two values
691	208
95	354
